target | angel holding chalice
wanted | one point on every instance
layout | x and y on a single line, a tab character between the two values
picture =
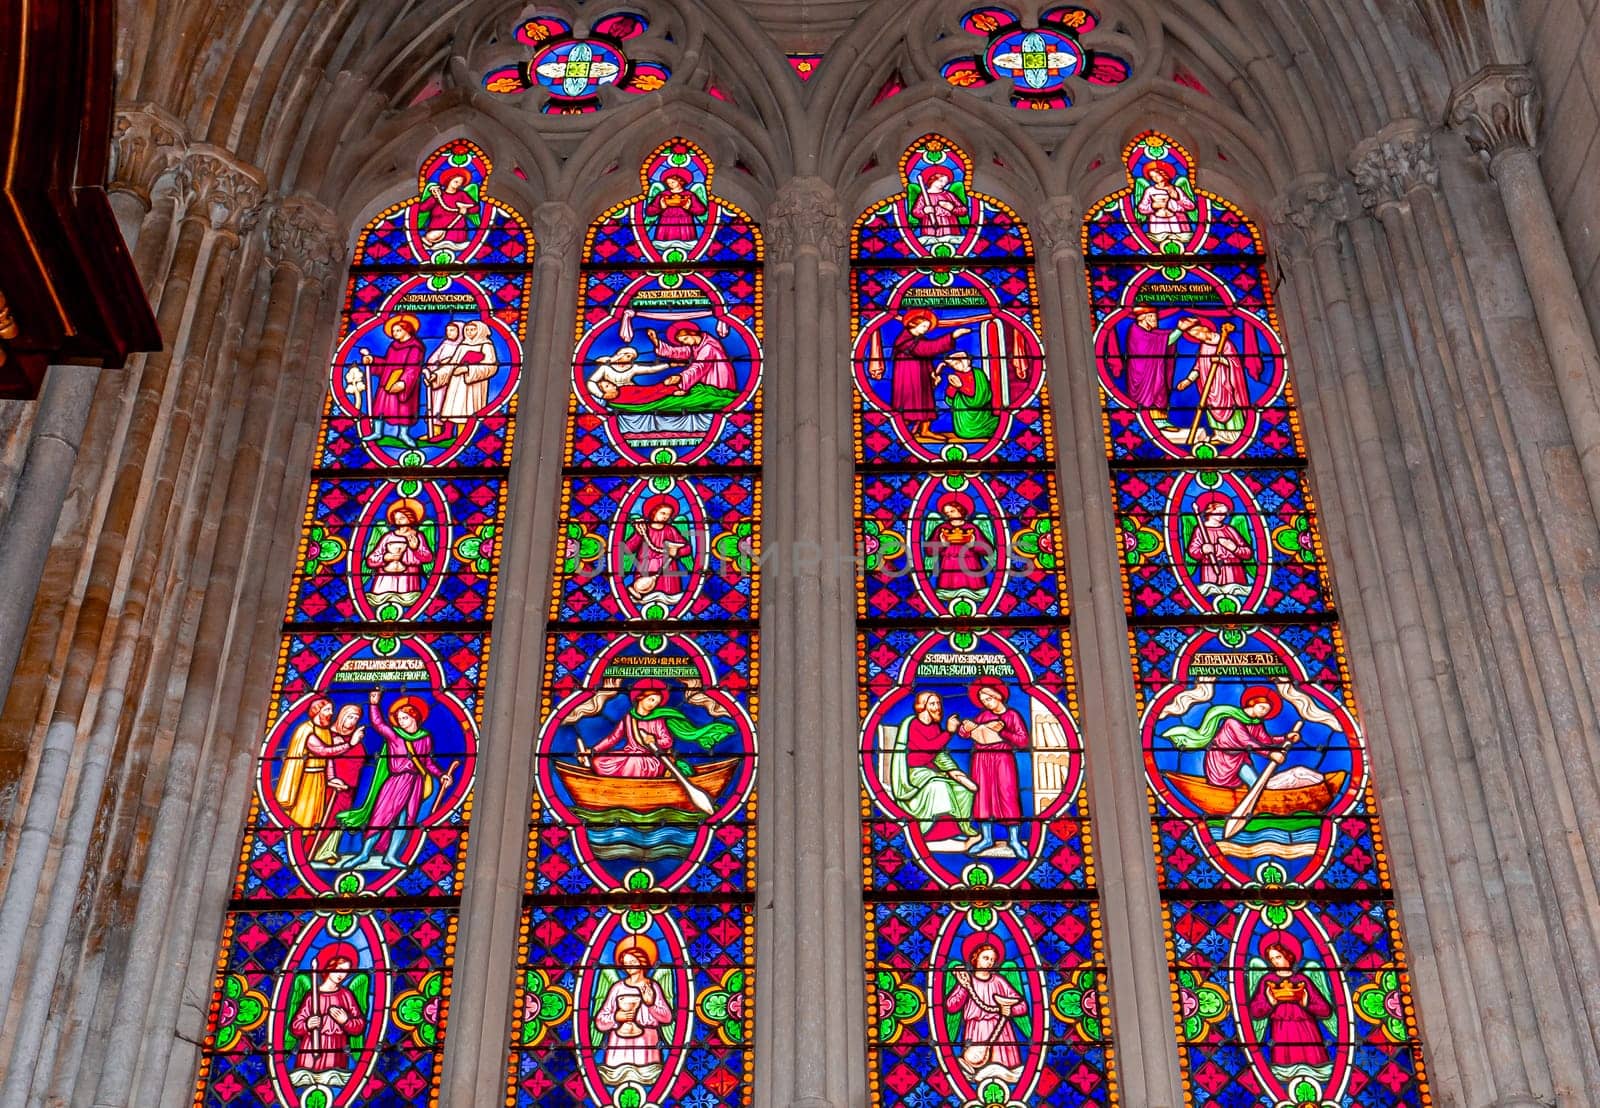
637	1009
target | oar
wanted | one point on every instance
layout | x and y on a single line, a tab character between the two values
1241	814
697	796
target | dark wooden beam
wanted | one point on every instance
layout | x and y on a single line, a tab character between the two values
69	292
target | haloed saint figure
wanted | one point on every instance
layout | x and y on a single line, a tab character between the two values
635	1010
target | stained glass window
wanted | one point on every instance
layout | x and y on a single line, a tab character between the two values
569	70
1288	970
1041	61
334	976
634	982
986	971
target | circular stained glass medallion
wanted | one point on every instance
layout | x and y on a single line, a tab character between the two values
572	70
1038	61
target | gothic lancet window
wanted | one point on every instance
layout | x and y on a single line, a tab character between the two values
334	975
1288	974
634	983
984	953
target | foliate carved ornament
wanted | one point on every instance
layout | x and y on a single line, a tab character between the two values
1310	211
146	143
805	216
224	190
556	232
1059	226
1498	109
303	233
1395	162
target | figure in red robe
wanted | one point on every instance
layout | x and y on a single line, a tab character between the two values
328	1017
991	1042
965	555
656	548
448	211
1219	552
938	211
1293	1005
916	367
397	384
675	208
997	733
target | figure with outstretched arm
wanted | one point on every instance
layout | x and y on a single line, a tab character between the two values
705	360
406	775
997	733
915	368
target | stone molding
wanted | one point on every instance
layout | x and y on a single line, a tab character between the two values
1393	163
557	232
303	233
805	216
1058	226
226	191
1498	109
146	143
1310	212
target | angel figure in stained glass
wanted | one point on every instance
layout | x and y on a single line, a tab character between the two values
672	206
991	1027
1219	554
448	212
656	547
963	548
399	556
1291	1009
1165	200
997	734
938	207
635	1007
1220	372
327	1019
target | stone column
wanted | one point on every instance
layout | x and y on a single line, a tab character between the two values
95	686
1452	894
482	985
808	1052
301	241
1498	111
1523	712
1130	904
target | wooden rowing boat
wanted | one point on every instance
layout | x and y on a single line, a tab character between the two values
1214	800
643	794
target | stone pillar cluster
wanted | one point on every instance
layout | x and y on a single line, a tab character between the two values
123	753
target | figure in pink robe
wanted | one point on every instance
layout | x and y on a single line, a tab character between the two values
328	1017
1147	363
991	1043
1165	206
937	210
400	555
997	733
447	213
1229	760
675	208
638	743
965	555
1220	554
706	361
633	1014
1224	393
1293	1006
406	775
916	367
656	550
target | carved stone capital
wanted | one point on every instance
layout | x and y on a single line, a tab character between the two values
1498	109
1395	162
303	233
556	232
1059	225
146	143
1310	211
805	216
224	190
